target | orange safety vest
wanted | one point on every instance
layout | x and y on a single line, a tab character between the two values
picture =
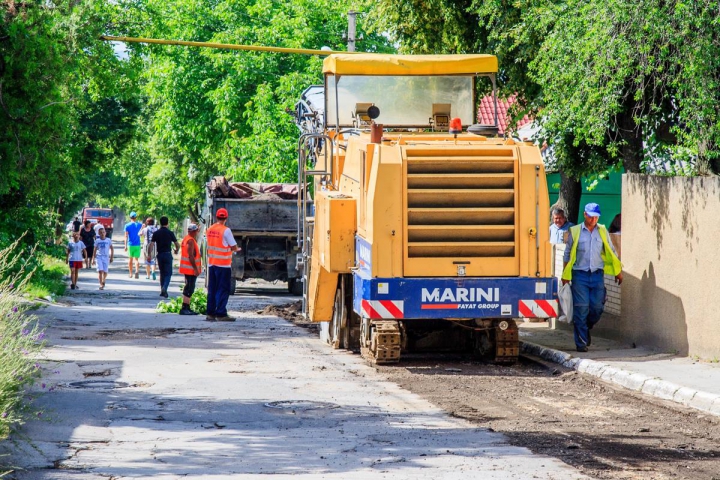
217	254
186	267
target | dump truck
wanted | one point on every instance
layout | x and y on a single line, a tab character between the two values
263	220
430	232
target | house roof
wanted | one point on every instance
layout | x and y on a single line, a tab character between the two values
486	113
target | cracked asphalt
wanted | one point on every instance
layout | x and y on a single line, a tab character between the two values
137	394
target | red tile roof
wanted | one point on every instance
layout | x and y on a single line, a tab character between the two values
486	113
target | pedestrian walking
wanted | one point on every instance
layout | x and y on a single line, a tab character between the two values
589	255
103	256
87	235
75	254
560	225
164	238
220	246
133	244
190	266
149	247
76	224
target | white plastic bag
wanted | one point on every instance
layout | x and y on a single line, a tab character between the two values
566	304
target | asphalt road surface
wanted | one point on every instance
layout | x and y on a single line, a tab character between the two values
140	394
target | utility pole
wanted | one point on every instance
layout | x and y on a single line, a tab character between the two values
351	30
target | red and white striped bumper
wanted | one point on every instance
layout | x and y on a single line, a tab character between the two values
384	308
538	308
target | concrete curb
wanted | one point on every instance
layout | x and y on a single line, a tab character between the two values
656	387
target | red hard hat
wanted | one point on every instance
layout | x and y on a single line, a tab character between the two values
221	213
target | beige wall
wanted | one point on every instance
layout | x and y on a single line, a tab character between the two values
671	258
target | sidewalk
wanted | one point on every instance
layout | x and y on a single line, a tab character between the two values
688	382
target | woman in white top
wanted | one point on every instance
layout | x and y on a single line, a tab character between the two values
75	254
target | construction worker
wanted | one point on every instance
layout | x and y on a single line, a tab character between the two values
190	266
220	246
588	257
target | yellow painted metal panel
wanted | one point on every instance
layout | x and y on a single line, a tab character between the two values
381	64
461	216
467	180
322	283
321	291
534	202
461	207
338	254
459	233
461	249
428	197
475	267
385	211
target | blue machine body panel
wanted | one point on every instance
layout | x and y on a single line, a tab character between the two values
443	297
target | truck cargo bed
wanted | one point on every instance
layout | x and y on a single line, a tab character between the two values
257	216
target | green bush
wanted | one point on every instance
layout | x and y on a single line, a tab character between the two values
49	278
198	303
20	341
41	268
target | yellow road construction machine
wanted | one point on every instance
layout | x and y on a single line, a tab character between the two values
429	233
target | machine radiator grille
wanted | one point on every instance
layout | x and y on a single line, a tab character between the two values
460	202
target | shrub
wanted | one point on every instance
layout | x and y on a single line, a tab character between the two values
198	303
20	340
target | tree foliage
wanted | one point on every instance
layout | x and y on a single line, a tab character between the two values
219	112
614	83
54	73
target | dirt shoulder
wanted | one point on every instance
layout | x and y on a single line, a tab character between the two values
604	432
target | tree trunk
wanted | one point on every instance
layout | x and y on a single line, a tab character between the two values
569	197
59	219
631	150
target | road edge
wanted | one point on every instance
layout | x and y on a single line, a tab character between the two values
637	382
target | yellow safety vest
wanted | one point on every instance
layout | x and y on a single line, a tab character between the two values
613	266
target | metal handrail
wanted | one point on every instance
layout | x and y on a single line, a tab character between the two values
304	147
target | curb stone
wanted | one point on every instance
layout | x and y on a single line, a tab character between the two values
637	382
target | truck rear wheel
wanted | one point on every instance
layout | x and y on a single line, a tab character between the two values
233	286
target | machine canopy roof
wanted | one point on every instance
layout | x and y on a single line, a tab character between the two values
381	64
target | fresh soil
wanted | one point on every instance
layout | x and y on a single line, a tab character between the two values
292	313
604	432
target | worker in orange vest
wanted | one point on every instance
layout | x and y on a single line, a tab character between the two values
190	266
220	246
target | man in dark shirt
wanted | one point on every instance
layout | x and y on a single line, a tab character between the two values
76	224
163	239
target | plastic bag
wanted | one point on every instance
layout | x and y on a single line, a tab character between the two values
566	304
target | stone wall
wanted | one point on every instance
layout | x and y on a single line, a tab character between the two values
671	259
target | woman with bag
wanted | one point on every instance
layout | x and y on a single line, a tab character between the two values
149	247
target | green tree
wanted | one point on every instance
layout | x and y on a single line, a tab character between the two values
53	68
514	32
613	82
218	112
